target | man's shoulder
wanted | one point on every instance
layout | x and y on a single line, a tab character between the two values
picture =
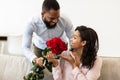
65	20
64	17
36	19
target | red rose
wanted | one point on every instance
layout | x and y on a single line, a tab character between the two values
56	45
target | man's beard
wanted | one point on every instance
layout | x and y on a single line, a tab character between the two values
48	24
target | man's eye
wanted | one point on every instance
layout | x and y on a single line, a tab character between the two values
51	18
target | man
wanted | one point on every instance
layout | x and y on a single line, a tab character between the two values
42	28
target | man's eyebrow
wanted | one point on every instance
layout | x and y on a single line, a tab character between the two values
53	17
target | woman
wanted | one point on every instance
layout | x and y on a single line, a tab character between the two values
81	62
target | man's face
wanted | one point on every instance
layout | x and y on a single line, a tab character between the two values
50	18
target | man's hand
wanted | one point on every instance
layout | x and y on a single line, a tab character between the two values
39	61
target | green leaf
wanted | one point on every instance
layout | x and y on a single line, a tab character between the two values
41	69
24	78
44	52
49	66
35	67
41	75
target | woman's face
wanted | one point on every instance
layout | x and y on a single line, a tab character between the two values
75	41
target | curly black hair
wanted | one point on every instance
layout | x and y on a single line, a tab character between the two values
50	4
90	50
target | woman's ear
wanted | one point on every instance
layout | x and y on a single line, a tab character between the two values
83	43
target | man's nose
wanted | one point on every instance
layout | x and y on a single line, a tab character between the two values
54	20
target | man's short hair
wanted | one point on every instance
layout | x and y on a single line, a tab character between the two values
50	4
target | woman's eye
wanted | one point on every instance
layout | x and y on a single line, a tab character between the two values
74	37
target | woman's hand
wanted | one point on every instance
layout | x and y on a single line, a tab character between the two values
74	60
50	58
68	58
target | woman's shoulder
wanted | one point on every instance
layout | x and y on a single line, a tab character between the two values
99	58
67	52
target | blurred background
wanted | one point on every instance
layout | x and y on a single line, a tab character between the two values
101	15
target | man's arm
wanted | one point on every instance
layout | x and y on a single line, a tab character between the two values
26	43
68	27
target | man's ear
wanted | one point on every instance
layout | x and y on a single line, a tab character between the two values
42	13
83	43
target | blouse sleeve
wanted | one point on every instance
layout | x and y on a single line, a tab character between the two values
57	72
92	74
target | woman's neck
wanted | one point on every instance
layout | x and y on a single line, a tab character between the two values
77	52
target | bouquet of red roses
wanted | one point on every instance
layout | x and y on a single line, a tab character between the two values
56	45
